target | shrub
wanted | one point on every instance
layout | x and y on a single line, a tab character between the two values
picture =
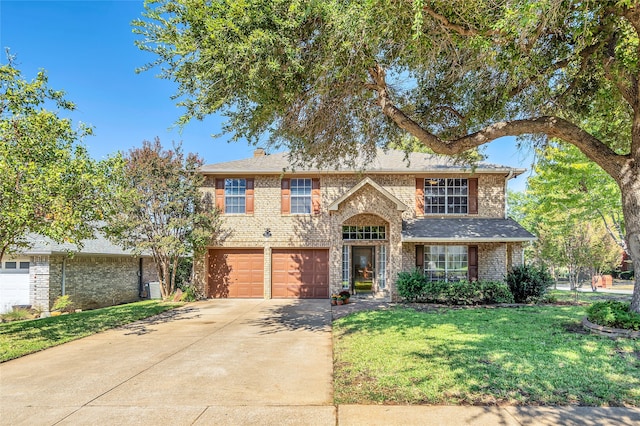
190	293
63	304
529	283
414	287
17	315
495	292
411	285
613	314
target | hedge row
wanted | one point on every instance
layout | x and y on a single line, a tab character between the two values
413	287
523	284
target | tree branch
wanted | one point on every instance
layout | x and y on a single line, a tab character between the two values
458	29
554	127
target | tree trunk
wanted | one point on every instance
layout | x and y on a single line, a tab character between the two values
630	188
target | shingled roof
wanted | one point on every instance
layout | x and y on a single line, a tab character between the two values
39	245
460	230
387	161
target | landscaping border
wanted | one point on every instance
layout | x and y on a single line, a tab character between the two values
609	331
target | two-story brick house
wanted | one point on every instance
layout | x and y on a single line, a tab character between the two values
309	233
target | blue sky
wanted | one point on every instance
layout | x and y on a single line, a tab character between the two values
87	48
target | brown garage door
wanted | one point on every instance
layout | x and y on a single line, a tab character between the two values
236	273
300	273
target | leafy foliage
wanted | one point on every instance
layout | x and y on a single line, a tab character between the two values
333	80
414	287
529	283
614	314
63	304
161	209
50	185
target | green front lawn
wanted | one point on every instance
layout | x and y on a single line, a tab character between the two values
533	355
24	337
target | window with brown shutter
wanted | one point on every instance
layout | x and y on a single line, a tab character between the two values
220	194
420	258
473	196
315	196
285	195
249	197
420	196
473	263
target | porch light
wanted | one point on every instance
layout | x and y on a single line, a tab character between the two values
267	233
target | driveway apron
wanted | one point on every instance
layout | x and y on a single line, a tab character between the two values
215	362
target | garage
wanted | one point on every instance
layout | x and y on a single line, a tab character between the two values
300	273
14	289
236	273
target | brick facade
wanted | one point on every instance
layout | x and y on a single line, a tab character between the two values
91	281
365	206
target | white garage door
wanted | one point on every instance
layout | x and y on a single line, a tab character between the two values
14	289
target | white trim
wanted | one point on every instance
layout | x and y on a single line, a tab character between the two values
368	181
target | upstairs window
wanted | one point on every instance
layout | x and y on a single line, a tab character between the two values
446	196
235	196
300	196
364	233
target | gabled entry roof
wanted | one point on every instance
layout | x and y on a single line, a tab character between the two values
473	230
368	181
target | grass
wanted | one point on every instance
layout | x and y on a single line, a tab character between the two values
24	337
564	296
533	355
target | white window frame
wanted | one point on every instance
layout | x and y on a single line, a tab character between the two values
235	196
446	263
300	196
446	196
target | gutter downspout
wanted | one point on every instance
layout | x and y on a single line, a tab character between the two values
140	286
64	276
506	184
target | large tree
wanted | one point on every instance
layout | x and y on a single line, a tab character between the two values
48	183
335	78
161	210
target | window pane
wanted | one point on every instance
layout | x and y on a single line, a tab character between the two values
446	263
301	196
446	196
10	265
24	265
235	191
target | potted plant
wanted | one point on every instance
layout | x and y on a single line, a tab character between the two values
344	295
334	298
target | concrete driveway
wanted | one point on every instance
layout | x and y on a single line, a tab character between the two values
213	362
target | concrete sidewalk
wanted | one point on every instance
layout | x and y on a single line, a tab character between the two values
225	362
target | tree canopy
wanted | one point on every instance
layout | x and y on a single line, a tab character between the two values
49	185
161	210
332	79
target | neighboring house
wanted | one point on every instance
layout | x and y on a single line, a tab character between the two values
310	233
97	275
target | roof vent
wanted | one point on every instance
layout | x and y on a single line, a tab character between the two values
259	152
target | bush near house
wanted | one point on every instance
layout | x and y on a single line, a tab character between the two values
529	283
414	287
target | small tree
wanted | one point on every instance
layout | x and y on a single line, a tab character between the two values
161	209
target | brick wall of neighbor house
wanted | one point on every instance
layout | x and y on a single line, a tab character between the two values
95	281
39	282
149	271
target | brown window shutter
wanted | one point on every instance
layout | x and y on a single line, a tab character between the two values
220	194
248	197
420	258
285	196
473	195
420	196
315	196
473	263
